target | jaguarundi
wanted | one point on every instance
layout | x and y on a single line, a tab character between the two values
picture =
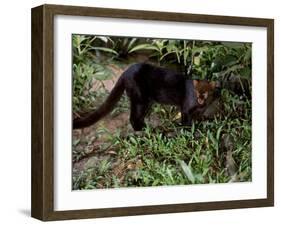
144	84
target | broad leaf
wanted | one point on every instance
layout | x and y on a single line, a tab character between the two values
187	171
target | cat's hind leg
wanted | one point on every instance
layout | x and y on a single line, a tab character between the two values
137	115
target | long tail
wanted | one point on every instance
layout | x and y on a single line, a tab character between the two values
104	109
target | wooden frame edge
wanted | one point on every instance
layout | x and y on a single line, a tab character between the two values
42	113
155	15
37	113
270	111
159	209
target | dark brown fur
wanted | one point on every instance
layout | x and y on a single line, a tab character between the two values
145	84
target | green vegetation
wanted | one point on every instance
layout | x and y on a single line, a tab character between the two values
214	150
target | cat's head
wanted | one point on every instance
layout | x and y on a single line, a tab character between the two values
202	89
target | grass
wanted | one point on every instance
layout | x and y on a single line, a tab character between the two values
211	151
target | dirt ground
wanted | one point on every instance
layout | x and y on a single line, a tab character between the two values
92	146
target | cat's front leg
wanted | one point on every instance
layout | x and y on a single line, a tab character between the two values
186	119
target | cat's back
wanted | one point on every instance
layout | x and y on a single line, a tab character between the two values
150	72
151	78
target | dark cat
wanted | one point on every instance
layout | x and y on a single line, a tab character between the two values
144	84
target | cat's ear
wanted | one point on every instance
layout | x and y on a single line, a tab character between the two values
195	83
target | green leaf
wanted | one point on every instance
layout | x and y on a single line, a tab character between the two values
171	47
193	129
231	69
159	43
219	132
104	49
229	60
133	140
178	56
103	38
217	63
131	43
185	52
187	171
245	72
196	60
76	141
199	50
164	55
248	54
102	75
233	44
143	47
170	175
214	141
